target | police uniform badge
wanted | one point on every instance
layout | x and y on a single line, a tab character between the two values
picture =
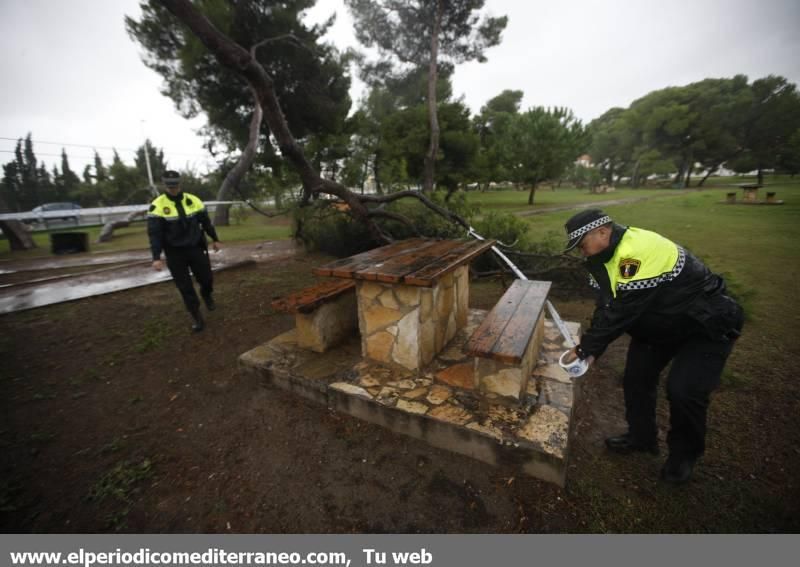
628	268
166	210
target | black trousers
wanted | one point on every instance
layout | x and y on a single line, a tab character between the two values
697	364
194	258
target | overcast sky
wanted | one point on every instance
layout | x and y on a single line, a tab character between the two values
71	75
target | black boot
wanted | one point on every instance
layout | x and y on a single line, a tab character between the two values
625	444
198	324
677	469
210	303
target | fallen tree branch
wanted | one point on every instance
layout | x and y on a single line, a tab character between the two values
394	216
448	214
107	233
18	236
235	175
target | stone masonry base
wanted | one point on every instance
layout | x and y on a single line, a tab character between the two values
438	404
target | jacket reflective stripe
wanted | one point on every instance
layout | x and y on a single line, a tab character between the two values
659	260
191	205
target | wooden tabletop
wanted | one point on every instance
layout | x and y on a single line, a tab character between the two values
417	261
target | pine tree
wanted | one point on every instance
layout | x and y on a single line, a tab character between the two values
100	173
70	181
11	186
426	33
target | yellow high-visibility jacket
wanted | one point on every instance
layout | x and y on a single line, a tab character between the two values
177	222
656	291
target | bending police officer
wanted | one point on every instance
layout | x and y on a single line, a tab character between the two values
675	309
177	223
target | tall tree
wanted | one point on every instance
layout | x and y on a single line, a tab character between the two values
491	125
417	34
23	186
29	167
70	182
370	135
613	141
12	182
403	136
721	105
100	172
158	163
771	120
540	144
790	156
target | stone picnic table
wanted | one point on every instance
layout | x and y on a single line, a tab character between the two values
412	296
750	191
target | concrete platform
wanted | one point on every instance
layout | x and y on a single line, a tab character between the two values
437	404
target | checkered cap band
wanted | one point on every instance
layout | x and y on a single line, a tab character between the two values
587	227
593	282
665	277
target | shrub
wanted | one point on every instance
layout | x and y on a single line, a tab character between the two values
325	228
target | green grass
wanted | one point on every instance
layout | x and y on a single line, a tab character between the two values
120	485
546	199
754	246
154	334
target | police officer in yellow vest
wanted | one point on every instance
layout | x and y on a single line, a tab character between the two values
675	309
176	224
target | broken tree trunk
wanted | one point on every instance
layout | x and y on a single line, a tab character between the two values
15	231
18	236
235	175
708	174
107	233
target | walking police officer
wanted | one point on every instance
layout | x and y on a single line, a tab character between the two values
177	224
675	309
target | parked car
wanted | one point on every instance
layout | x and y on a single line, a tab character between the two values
49	207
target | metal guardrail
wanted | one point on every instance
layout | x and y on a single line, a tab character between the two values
93	212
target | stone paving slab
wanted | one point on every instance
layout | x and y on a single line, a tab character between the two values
438	403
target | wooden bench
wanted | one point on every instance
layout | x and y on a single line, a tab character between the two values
507	342
325	314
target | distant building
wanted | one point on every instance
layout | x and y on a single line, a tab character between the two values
584	160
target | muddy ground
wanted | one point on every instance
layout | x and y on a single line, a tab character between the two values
116	418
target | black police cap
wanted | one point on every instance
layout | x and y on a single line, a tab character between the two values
171	178
581	223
